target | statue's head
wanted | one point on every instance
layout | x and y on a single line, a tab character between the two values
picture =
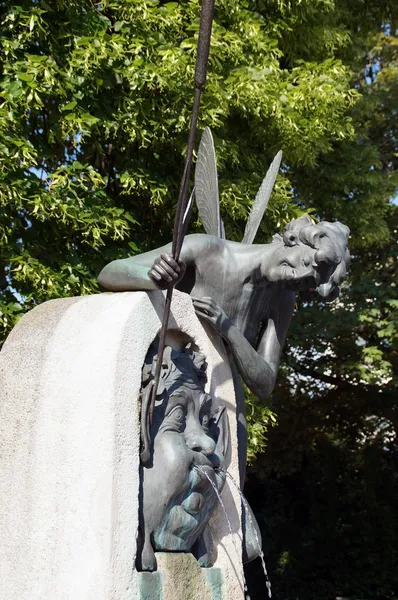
311	257
183	448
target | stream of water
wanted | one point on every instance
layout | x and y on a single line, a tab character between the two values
227	519
248	513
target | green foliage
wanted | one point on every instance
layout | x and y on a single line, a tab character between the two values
94	112
96	101
330	469
259	419
330	529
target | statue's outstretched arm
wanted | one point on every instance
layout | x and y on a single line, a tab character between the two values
132	273
257	366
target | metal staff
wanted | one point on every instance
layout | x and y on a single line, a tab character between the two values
183	208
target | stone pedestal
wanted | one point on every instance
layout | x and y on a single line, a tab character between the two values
70	376
179	576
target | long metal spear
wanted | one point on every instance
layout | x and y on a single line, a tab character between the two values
183	208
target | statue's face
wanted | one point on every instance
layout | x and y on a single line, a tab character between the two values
178	498
294	266
300	268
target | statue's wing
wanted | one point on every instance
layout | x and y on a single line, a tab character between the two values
261	200
206	186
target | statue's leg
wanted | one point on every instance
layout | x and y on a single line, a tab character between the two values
242	424
204	549
252	543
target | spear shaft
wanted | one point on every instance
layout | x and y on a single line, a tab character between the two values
202	56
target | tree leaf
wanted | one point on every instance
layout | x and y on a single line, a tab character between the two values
69	106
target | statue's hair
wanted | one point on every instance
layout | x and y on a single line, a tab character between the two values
187	365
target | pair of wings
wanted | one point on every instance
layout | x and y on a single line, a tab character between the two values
206	192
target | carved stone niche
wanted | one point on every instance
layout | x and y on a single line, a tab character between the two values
185	447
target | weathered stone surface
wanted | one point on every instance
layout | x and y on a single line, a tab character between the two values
183	578
70	375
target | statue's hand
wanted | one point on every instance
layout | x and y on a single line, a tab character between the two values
207	309
166	270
